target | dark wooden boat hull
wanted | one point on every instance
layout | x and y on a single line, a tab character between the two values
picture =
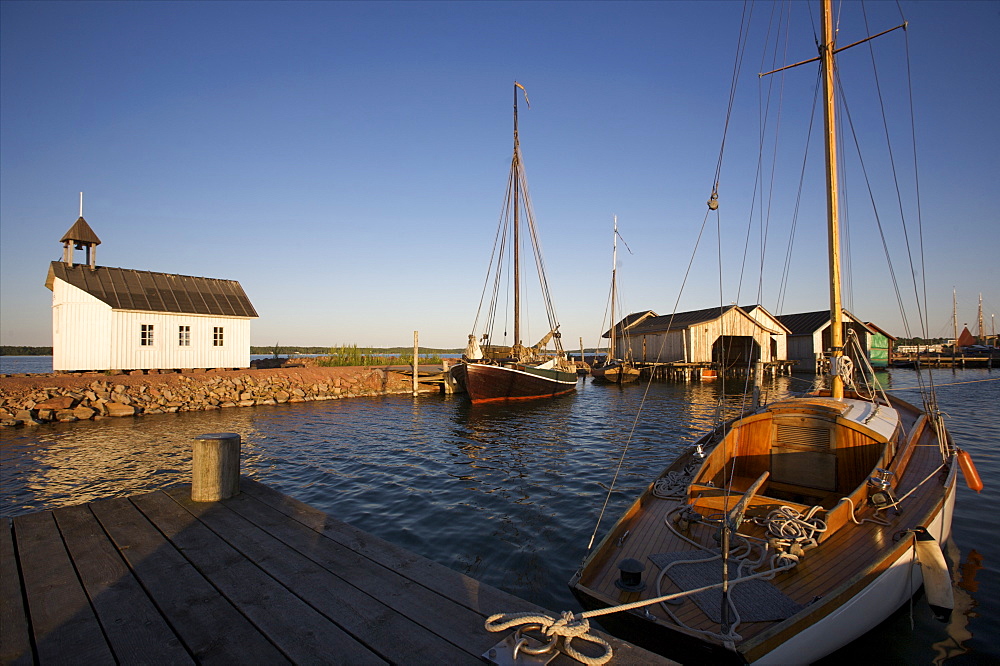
615	373
492	383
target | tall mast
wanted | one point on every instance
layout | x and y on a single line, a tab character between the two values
833	224
614	288
516	175
954	319
980	340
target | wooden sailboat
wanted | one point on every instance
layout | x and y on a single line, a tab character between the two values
612	369
489	372
784	534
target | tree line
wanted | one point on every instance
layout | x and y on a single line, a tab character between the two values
20	350
285	350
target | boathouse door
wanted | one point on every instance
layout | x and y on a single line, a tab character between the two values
735	350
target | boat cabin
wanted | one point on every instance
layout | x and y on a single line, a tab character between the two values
798	453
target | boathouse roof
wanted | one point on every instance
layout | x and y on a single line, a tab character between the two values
129	289
807	323
879	329
750	309
683	320
630	321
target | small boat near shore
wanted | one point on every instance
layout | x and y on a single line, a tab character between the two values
489	372
614	370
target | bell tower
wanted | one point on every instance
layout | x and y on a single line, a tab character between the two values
80	237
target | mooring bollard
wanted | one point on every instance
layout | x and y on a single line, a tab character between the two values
216	463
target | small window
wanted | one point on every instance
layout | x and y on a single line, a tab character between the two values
217	336
146	335
184	336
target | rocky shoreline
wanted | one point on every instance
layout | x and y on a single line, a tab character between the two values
37	399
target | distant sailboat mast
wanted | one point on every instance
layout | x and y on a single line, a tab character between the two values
614	288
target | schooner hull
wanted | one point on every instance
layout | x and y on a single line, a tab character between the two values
494	383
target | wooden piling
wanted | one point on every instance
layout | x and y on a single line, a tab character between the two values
416	359
216	467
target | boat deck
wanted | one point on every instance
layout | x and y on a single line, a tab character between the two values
258	578
840	566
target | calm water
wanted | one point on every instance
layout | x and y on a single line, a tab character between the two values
507	494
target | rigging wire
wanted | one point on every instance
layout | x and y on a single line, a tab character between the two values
737	67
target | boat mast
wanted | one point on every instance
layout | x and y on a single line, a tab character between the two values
954	320
614	288
980	339
833	226
516	176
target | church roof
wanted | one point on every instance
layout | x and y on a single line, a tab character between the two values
81	232
128	289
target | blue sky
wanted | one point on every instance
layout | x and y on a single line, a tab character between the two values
346	162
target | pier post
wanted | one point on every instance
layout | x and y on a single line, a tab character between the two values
216	467
447	383
416	358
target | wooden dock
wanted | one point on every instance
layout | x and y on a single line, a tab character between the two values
257	578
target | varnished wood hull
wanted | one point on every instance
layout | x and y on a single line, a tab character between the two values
851	581
495	383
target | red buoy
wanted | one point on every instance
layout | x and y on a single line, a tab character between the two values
969	471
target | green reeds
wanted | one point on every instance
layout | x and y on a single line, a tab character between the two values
353	356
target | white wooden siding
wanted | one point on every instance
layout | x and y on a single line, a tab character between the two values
88	335
81	330
779	338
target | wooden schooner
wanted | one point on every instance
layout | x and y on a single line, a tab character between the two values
492	373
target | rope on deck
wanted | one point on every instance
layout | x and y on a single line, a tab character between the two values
567	627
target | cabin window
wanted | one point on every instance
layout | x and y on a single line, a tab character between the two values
146	335
184	336
217	336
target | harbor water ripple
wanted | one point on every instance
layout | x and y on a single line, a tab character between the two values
508	494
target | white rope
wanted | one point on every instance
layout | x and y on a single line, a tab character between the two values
674	483
866	520
568	627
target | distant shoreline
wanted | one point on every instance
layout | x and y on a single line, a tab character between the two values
26	350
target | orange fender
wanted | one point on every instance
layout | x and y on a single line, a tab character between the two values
969	471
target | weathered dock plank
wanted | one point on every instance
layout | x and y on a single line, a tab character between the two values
62	620
207	624
134	628
15	635
256	578
323	572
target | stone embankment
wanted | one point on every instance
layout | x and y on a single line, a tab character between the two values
37	399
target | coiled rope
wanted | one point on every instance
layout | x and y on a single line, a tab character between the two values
568	627
674	483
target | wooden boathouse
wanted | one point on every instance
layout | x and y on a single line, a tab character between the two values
190	575
809	338
106	318
720	337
